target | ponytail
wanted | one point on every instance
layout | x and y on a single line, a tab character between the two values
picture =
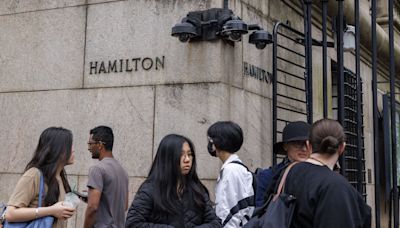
326	136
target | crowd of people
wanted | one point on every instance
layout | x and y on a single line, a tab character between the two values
174	196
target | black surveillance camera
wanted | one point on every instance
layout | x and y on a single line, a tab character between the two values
261	38
234	29
184	31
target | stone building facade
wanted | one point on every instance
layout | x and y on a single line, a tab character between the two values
83	63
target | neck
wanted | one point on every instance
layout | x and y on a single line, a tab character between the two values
326	159
106	154
223	155
59	169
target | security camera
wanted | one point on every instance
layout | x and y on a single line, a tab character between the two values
184	31
261	38
234	29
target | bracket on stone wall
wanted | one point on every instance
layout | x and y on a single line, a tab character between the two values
219	23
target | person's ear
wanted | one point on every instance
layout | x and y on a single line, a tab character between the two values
285	147
342	147
308	146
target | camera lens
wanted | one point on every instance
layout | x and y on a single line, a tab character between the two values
261	44
235	36
184	37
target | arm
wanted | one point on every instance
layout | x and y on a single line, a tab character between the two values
263	180
24	214
92	206
338	207
227	197
26	190
139	214
126	201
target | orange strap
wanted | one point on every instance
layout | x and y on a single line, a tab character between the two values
283	180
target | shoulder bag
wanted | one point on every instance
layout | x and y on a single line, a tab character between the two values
277	212
43	222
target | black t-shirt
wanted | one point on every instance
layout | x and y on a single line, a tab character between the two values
325	199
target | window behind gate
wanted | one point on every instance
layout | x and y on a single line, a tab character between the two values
354	166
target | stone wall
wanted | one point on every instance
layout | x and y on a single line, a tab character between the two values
83	63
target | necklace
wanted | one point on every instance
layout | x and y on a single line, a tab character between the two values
315	159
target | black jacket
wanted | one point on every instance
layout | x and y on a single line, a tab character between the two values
140	214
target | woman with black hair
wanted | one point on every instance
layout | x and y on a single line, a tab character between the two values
325	199
172	195
53	152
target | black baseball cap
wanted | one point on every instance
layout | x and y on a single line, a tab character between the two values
294	131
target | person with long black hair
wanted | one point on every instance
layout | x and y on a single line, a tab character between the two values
53	152
172	195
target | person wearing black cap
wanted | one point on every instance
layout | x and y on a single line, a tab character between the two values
293	145
234	203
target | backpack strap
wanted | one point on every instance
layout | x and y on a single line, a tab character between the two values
254	182
281	185
240	163
244	203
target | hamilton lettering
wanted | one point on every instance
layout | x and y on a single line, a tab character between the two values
257	73
126	65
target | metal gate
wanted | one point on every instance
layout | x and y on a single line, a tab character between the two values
290	91
353	162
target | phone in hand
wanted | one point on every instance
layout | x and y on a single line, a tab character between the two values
82	196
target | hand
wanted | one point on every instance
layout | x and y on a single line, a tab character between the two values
62	212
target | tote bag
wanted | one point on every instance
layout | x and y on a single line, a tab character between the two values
276	212
43	222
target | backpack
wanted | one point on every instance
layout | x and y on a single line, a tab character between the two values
278	211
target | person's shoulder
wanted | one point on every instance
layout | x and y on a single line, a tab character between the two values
336	180
32	172
97	167
235	167
265	172
147	187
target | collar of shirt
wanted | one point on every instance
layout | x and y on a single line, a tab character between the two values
231	158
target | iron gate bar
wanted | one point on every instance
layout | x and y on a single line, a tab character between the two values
293	87
294	52
291	98
308	48
339	32
293	63
284	32
291	110
290	38
282	120
375	115
393	116
296	76
324	58
387	154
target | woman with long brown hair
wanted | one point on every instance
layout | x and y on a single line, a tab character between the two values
53	152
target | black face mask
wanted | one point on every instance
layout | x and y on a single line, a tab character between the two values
211	150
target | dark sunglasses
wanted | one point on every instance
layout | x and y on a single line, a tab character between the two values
297	144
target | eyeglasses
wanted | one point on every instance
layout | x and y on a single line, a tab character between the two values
297	144
95	142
